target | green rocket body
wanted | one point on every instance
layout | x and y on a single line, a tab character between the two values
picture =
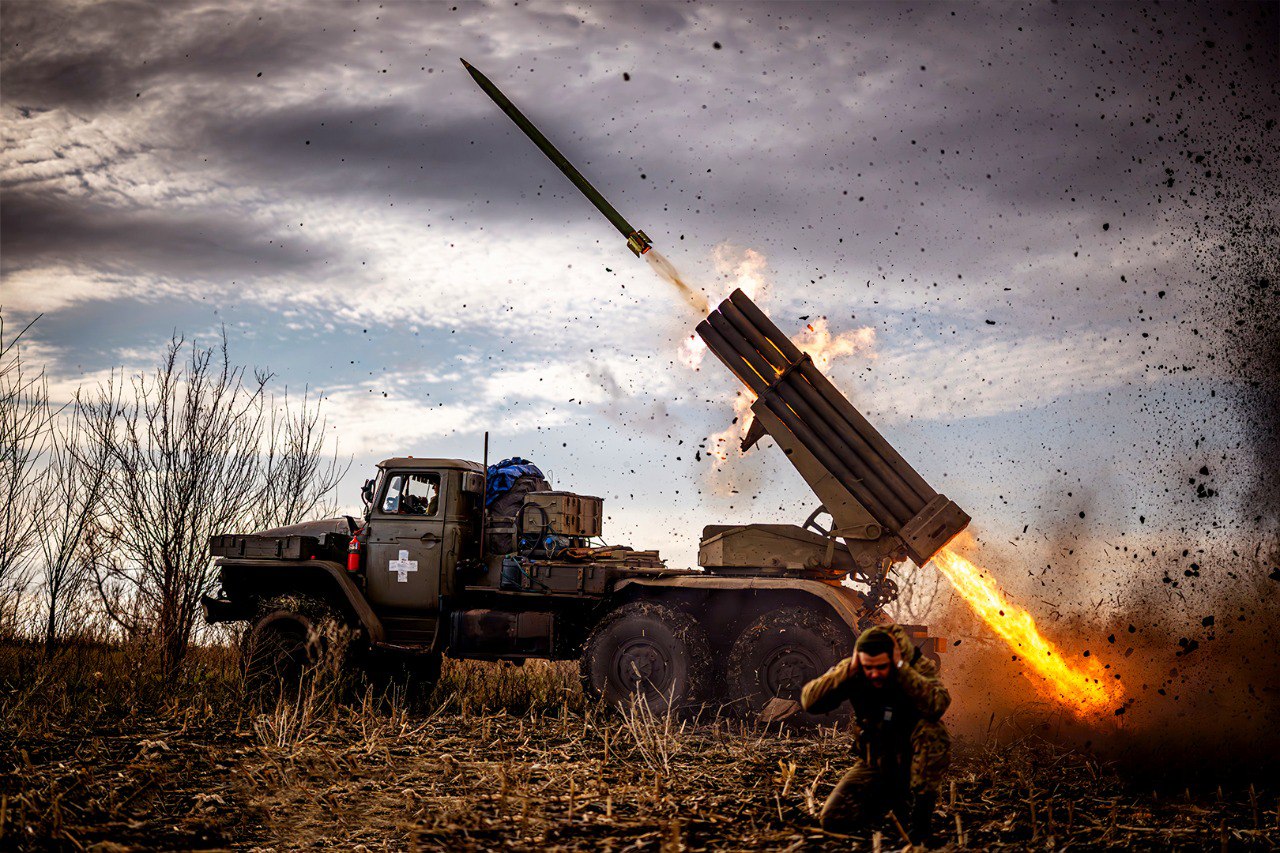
637	242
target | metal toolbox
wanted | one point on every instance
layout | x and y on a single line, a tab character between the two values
264	547
567	514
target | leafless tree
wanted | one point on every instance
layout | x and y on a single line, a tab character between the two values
921	593
195	449
68	503
24	424
183	447
298	477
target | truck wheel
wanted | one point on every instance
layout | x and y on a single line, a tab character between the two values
651	650
781	651
294	639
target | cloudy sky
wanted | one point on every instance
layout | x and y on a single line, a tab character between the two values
1048	215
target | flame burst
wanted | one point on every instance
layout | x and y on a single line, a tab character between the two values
744	269
1086	688
823	347
692	349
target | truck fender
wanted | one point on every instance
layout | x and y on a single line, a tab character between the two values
327	572
847	604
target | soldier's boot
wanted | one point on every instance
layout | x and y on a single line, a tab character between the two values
921	828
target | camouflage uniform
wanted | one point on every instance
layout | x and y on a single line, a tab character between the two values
903	747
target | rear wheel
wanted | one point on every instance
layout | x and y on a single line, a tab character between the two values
781	651
650	651
296	640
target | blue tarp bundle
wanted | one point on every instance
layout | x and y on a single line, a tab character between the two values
502	477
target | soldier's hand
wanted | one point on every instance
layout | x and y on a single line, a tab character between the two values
905	650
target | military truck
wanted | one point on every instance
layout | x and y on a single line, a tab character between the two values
442	564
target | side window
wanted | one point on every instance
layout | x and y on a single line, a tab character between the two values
395	491
412	494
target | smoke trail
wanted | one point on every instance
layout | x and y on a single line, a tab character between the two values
667	271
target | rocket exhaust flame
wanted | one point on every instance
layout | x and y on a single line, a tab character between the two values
668	272
824	348
1086	688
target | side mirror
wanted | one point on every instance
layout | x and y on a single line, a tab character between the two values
366	493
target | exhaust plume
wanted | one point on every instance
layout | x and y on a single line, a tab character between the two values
667	272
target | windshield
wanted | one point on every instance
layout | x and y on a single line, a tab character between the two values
412	494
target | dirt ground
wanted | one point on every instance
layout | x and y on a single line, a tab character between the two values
512	758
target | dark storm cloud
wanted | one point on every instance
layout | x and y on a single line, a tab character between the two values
42	229
361	152
822	124
109	52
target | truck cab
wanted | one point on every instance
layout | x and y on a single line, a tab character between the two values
420	532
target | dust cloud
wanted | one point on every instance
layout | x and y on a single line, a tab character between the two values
1198	666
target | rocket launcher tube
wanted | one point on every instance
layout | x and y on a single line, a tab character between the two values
779	401
729	357
637	242
839	445
835	429
833	396
850	467
909	485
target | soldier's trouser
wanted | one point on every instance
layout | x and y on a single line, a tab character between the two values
865	793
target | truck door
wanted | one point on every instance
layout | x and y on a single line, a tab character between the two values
406	543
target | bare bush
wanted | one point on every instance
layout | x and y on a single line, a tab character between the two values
68	502
194	449
183	449
24	424
297	477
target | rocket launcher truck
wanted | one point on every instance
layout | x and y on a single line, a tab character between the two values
440	565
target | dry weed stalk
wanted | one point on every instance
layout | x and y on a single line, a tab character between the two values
149	771
292	722
656	737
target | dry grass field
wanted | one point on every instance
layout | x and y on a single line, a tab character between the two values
98	755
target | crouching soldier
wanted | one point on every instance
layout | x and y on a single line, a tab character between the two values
903	748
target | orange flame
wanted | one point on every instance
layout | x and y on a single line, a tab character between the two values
692	349
824	348
740	268
1086	688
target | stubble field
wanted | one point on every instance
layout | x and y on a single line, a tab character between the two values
96	755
